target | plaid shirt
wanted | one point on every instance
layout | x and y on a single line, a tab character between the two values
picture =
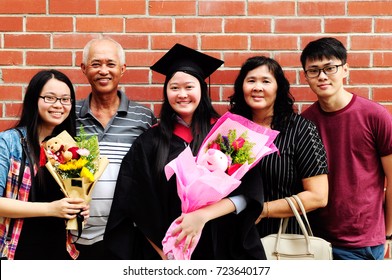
11	152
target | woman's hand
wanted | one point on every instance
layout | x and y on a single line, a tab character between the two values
190	226
68	208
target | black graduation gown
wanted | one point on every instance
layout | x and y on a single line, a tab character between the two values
153	204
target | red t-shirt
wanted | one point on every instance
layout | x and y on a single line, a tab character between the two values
355	138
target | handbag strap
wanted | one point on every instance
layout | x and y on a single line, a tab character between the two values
303	211
301	224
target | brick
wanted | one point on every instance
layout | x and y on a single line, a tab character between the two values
75	75
129	41
288	59
222	8
382	59
215	93
22	7
324	8
303	93
221	108
378	42
358	59
165	42
150	94
375	8
157	25
17	75
347	25
273	42
291	75
74	7
271	8
247	25
13	110
44	58
224	42
363	91
122	7
382	94
99	24
82	91
10	93
224	76
305	25
71	41
236	59
144	58
49	23
7	124
8	24
383	25
388	107
135	76
26	41
175	8
375	77
11	57
199	24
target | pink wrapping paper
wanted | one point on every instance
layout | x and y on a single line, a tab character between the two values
198	187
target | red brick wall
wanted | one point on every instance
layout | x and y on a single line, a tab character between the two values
39	34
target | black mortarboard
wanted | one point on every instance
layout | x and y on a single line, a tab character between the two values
182	58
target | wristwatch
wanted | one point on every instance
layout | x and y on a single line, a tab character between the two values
388	237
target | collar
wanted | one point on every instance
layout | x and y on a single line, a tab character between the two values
122	109
184	132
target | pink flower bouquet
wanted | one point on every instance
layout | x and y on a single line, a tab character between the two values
243	142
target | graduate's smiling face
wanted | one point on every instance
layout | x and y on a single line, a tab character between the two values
184	94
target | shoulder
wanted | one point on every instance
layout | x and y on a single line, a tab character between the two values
82	107
300	121
310	110
300	127
12	134
9	139
370	104
138	107
148	135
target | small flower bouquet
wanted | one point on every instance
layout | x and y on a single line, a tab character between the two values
75	165
200	184
237	150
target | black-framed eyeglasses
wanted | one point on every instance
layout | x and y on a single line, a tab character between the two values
52	99
327	70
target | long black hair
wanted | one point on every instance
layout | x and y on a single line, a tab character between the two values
30	117
200	125
283	107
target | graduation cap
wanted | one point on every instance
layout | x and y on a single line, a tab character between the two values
182	58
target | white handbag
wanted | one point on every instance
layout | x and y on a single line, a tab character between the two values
284	246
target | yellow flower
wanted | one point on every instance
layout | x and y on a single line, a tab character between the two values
86	173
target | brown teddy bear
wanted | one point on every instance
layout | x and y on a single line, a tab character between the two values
59	151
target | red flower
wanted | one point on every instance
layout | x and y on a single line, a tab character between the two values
233	168
237	144
215	146
42	157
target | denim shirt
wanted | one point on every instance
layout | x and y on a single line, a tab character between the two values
10	151
10	160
